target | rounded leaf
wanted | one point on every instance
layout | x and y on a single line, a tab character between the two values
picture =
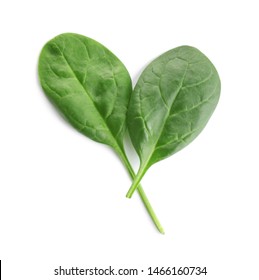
172	102
88	84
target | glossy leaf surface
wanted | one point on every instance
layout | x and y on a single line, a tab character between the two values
172	102
88	84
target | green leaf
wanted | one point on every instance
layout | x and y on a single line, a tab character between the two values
172	102
88	84
91	88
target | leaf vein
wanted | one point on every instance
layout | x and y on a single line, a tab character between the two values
200	82
90	98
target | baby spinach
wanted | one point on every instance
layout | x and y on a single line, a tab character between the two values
91	88
172	102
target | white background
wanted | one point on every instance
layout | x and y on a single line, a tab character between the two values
62	196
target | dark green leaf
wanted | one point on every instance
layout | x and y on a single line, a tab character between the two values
88	84
172	102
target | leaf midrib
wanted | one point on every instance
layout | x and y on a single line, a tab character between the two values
166	117
90	98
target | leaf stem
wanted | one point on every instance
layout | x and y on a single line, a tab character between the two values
135	183
141	192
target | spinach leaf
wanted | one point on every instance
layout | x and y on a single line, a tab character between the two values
91	88
172	102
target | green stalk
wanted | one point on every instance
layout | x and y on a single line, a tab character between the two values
136	182
141	191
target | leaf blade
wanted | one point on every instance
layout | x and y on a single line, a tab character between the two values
80	76
172	102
